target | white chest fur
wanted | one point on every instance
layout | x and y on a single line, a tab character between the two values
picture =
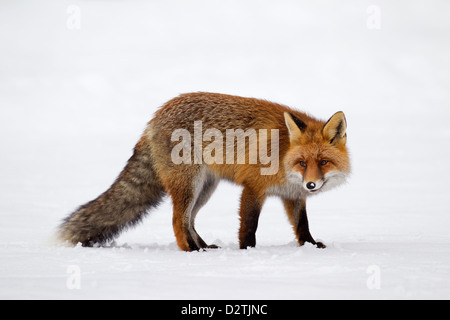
291	189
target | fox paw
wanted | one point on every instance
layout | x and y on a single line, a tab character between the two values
320	245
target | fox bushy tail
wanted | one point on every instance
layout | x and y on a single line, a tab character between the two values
136	190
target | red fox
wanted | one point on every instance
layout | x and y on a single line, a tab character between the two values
307	156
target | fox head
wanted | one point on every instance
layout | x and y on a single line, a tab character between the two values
317	157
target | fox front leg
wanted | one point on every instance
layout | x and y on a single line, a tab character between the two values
296	211
251	204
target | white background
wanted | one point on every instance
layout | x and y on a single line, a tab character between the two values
75	96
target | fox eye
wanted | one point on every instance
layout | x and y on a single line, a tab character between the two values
303	164
323	162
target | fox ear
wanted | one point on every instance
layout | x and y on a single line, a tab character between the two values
334	129
295	126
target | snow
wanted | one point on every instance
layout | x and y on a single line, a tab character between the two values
73	102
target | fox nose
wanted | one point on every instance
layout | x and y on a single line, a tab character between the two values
310	185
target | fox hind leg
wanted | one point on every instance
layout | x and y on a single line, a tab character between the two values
180	223
188	196
207	189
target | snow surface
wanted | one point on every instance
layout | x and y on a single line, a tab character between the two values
73	102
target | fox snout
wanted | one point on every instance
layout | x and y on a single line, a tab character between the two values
328	181
313	186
